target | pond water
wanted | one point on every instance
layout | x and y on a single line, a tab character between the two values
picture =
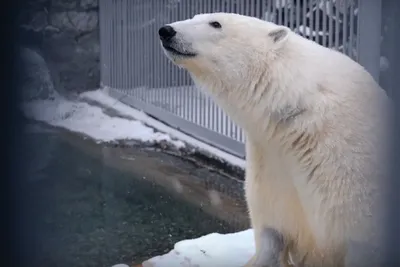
84	213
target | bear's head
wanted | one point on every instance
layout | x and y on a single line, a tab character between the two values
224	44
236	59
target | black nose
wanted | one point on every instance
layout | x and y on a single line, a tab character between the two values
166	33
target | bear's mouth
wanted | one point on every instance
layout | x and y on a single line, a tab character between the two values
174	51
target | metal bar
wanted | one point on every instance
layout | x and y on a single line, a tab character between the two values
173	68
291	20
191	97
149	53
109	44
114	47
280	11
102	25
317	25
129	46
337	28
369	35
125	44
303	21
140	37
351	30
391	9
311	19
324	22
154	76
120	44
286	7
273	13
298	15
184	79
345	44
197	95
331	32
163	60
213	116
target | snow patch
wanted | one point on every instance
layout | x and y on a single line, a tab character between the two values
90	120
101	96
217	250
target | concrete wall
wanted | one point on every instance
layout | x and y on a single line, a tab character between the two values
389	46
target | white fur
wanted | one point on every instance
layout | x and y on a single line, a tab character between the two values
314	123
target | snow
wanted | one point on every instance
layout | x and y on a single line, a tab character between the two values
214	249
91	121
101	96
217	250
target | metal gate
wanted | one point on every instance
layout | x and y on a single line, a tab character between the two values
136	71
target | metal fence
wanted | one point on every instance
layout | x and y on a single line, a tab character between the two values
136	71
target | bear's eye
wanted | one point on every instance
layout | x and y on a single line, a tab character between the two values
215	24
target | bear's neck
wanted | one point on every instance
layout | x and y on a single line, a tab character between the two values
261	103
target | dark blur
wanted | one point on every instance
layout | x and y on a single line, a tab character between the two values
71	202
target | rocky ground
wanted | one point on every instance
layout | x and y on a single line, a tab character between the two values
59	42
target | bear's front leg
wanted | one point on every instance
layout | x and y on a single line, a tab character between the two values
270	249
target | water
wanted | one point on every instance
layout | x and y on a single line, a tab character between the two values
85	213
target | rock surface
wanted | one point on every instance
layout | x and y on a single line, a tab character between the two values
64	34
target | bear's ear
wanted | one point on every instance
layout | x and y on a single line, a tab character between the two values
279	35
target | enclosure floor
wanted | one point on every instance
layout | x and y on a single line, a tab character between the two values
86	210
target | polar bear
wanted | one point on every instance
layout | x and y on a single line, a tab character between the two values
315	125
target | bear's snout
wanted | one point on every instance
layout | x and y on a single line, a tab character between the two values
166	33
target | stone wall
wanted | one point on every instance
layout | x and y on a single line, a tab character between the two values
66	34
